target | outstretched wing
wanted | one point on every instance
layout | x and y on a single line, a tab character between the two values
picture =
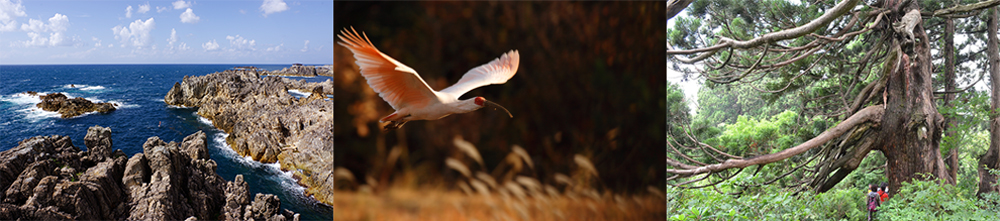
497	71
397	84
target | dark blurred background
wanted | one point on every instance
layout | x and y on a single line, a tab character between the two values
591	81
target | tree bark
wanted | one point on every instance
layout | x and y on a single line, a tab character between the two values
949	85
910	124
989	160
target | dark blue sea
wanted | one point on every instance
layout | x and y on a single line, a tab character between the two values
138	90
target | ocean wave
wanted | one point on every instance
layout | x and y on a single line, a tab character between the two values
284	178
204	120
121	105
26	105
298	93
91	88
22	98
83	87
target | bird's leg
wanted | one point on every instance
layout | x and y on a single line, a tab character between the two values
394	125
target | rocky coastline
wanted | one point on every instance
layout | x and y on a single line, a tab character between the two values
47	178
267	123
58	102
296	70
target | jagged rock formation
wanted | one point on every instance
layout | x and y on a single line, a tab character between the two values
47	178
58	102
305	71
268	124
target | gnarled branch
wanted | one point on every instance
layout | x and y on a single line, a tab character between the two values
830	15
872	113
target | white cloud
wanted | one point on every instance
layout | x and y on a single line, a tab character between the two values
183	46
189	17
180	4
210	46
9	26
9	10
161	9
243	11
240	43
36	40
111	45
98	44
273	6
128	12
275	48
306	48
143	8
136	33
58	24
173	37
60	39
34	26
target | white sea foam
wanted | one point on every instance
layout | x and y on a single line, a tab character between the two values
26	105
22	99
91	88
83	87
74	85
121	105
285	178
204	120
298	93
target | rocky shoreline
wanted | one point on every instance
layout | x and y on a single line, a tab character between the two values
296	70
58	102
268	124
47	178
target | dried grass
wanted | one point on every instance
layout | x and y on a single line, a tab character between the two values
469	149
487	178
563	179
457	166
585	164
530	183
517	149
341	173
515	189
431	204
480	187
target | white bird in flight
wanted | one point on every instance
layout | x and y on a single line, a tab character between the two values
409	95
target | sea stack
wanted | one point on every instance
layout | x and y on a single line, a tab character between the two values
58	102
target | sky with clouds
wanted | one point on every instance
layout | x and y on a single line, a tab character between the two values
166	32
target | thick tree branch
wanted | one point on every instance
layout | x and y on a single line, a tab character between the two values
965	8
872	113
676	6
833	13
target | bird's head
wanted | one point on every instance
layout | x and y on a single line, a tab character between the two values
482	102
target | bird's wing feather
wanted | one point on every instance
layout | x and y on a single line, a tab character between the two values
497	71
397	84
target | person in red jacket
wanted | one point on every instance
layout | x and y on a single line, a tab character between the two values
883	192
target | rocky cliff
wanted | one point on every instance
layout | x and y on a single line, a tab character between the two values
47	178
58	102
303	70
267	123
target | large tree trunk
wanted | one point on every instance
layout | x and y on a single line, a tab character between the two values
910	124
989	160
949	85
